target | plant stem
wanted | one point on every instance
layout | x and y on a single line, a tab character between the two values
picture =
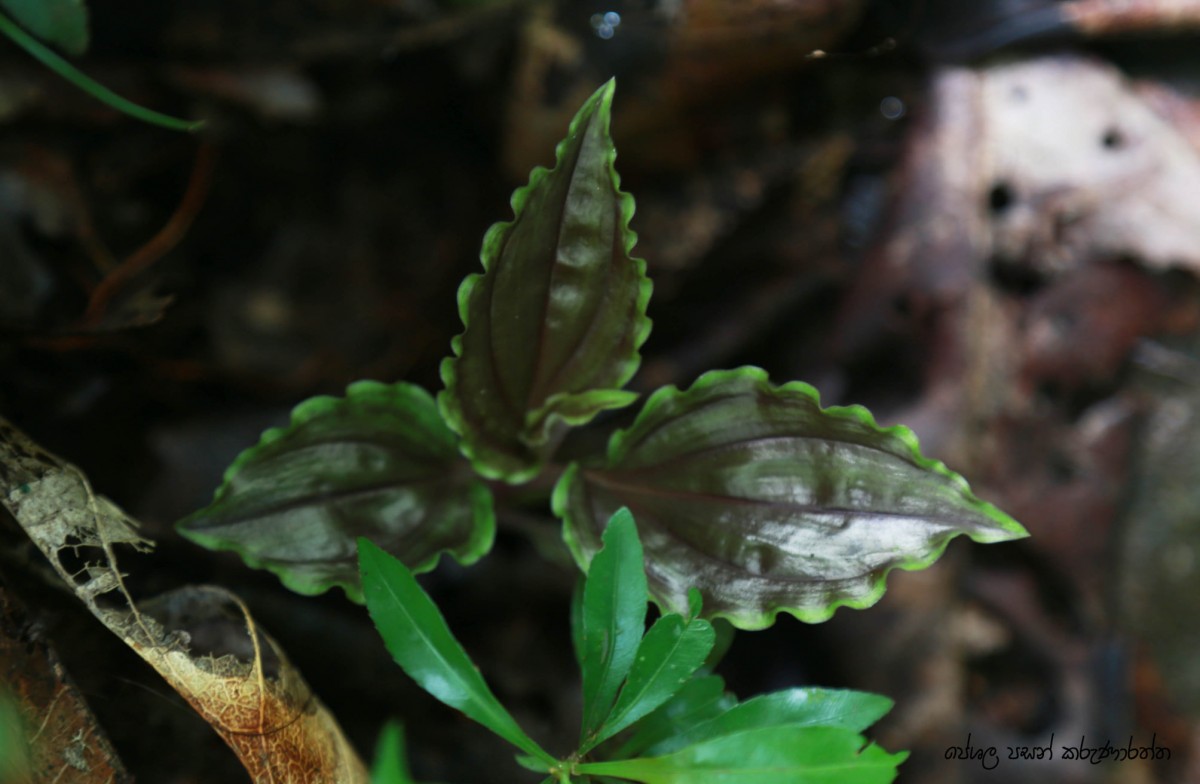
90	86
535	492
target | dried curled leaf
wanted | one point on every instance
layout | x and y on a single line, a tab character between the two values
241	682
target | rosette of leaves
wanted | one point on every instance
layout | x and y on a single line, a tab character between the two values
652	712
749	492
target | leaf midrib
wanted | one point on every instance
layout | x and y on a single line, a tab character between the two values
501	718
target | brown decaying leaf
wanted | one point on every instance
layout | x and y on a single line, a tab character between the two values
1081	167
1117	17
244	686
64	741
1046	164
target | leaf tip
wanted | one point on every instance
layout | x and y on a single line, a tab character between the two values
367	551
607	90
619	523
1007	527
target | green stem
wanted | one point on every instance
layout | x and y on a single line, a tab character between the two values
643	770
534	493
90	86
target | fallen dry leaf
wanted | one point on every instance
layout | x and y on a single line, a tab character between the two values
1080	167
1122	17
65	743
202	640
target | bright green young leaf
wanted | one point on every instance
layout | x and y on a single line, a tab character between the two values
532	763
419	640
63	23
768	503
771	755
802	707
614	618
668	655
699	700
553	325
378	463
391	758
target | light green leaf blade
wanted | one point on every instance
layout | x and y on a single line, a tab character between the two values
769	503
532	763
63	23
391	758
553	325
378	463
666	659
801	707
418	638
725	633
771	755
702	698
577	622
614	618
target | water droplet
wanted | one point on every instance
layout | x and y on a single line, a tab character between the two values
605	25
892	108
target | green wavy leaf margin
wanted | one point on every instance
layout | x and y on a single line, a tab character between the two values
520	455
571	502
417	409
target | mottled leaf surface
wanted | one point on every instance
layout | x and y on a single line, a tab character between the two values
554	323
422	644
378	463
63	23
768	503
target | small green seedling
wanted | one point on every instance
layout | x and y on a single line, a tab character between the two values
750	492
752	500
652	712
